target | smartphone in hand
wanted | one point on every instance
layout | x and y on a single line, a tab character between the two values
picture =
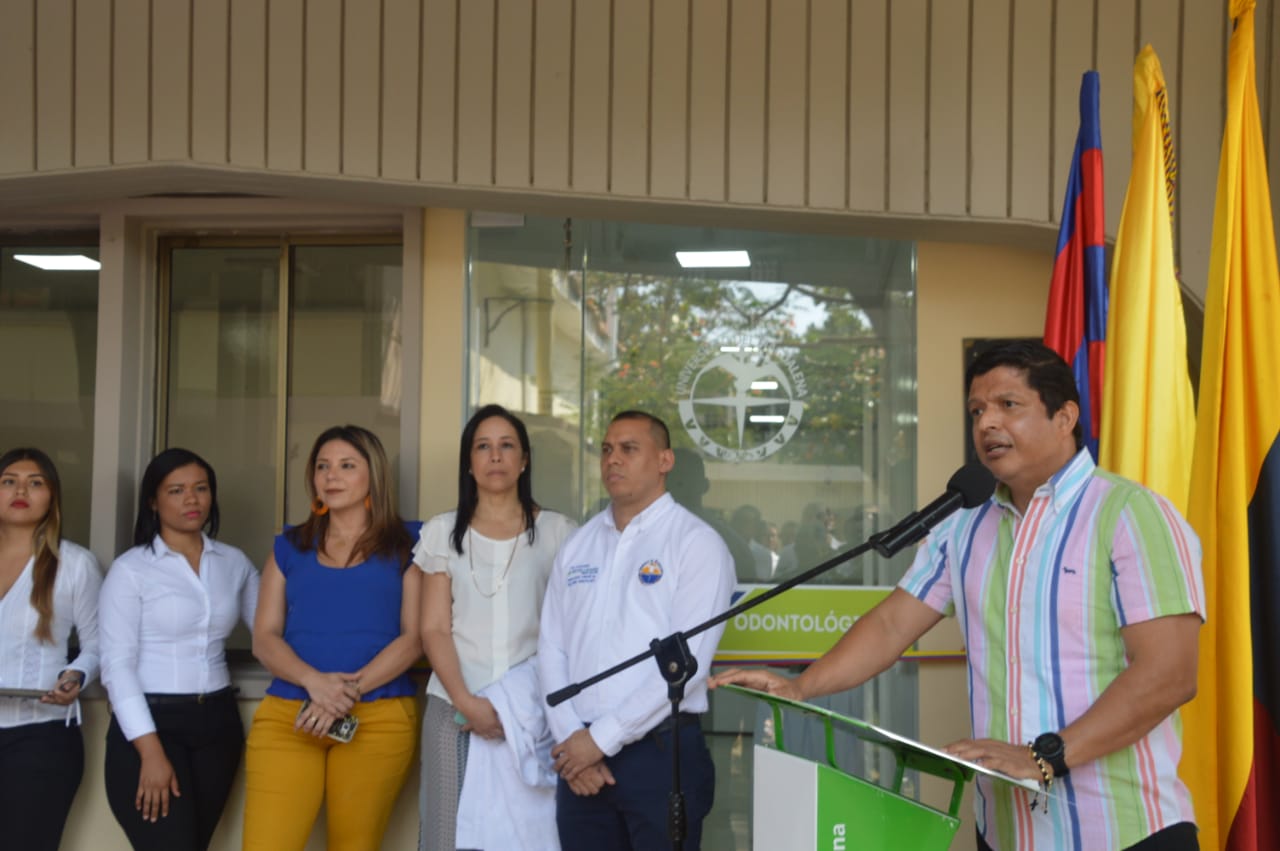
342	730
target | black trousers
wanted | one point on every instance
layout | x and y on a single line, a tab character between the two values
40	769
204	743
1177	837
632	815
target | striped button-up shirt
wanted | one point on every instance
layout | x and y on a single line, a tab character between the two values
1041	598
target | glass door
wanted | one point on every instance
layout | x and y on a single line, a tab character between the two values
266	345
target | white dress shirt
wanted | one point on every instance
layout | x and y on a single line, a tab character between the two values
164	628
610	594
493	630
25	661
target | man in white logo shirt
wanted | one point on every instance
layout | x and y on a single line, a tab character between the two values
643	568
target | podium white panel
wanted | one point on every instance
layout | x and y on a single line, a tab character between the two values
784	784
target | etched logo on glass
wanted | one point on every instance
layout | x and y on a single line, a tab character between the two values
741	402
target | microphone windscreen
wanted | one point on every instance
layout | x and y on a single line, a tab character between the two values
974	483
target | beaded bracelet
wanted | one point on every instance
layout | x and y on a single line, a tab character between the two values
1047	782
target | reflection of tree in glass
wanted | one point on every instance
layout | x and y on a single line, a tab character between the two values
661	323
842	362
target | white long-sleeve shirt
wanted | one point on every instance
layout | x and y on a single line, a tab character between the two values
26	662
164	628
610	594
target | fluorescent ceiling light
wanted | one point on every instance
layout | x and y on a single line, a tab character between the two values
764	385
767	418
713	259
60	262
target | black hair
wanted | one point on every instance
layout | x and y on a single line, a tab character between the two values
147	525
468	494
661	434
1045	370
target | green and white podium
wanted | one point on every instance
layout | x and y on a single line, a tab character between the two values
801	804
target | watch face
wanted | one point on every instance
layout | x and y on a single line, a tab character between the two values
1048	745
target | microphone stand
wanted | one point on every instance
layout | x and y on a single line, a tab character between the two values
677	665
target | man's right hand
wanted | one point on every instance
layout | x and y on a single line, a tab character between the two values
590	780
760	680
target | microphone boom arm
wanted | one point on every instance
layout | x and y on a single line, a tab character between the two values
560	696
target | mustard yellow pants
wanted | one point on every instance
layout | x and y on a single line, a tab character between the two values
289	774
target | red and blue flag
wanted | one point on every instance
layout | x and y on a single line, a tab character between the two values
1075	325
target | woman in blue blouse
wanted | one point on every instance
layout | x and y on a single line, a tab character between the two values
337	626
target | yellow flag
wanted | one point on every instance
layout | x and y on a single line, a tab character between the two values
1148	416
1229	730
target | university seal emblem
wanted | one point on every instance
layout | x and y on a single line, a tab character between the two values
741	402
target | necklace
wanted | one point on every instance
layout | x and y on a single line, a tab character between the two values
506	571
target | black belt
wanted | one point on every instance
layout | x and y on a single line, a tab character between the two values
685	719
165	699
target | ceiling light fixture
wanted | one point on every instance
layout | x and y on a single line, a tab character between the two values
60	262
713	259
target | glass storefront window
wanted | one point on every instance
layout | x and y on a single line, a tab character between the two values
789	386
345	361
49	345
267	347
221	386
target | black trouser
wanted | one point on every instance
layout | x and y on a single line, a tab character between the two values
204	742
632	815
1178	837
40	770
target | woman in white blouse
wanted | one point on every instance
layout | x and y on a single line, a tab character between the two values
47	586
166	609
486	566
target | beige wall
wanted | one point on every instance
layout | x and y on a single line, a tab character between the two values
963	291
444	357
837	114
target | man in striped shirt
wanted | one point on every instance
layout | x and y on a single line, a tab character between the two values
1080	597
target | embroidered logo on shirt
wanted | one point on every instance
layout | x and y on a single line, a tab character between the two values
582	573
650	572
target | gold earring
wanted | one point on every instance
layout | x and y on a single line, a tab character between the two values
318	508
368	502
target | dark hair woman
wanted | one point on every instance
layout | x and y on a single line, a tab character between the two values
167	607
486	566
338	628
47	586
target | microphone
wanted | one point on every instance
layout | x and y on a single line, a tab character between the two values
969	487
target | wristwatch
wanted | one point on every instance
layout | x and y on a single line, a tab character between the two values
1050	748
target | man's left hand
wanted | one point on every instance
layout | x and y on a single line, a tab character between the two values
1013	760
591	780
576	753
